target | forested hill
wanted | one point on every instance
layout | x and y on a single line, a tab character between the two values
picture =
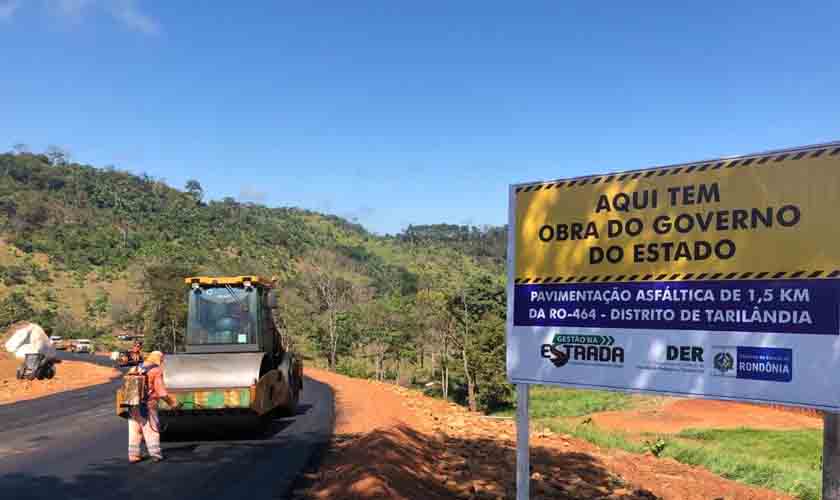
87	251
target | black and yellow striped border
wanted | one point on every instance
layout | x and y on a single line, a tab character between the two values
755	160
750	275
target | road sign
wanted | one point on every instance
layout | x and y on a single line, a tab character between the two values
716	279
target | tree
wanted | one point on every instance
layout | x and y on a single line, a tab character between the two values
195	190
439	325
331	292
481	298
165	307
15	307
98	308
57	155
386	324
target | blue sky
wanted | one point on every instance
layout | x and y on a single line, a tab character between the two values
411	112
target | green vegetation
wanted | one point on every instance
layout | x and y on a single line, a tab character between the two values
587	431
787	461
547	402
423	305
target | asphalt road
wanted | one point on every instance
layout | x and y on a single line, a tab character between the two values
72	446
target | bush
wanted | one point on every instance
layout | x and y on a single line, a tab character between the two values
15	307
353	368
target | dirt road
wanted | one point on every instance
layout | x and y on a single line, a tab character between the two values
396	444
74	372
680	414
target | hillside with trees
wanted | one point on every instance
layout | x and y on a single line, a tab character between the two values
89	251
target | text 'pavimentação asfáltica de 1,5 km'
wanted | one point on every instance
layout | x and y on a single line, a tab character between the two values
716	279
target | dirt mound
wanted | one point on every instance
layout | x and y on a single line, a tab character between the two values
398	444
679	414
69	375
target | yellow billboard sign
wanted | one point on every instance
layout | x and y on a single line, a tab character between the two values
766	216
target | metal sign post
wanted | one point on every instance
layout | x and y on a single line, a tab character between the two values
523	462
831	457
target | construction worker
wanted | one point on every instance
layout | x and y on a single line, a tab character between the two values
135	355
143	422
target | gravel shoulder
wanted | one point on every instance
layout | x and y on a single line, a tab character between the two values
398	444
70	375
680	414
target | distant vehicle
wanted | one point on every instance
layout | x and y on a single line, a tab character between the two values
82	345
58	342
129	337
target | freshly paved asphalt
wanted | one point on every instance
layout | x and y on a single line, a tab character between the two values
73	446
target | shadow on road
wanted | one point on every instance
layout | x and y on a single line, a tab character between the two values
226	428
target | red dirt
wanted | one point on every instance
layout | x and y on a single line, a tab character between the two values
398	444
69	375
679	414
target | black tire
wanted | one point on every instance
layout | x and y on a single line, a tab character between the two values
295	401
19	374
50	372
290	410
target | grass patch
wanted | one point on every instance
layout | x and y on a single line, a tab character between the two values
788	461
785	461
546	402
595	435
799	448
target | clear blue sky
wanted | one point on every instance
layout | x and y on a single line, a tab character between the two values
411	112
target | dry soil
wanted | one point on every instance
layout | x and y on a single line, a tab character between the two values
69	375
398	444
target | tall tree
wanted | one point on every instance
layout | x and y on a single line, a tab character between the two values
57	155
165	307
193	187
332	293
482	298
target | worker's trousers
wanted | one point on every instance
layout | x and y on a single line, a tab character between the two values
143	426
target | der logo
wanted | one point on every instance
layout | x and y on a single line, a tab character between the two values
687	353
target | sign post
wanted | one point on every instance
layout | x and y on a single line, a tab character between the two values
717	279
831	457
523	459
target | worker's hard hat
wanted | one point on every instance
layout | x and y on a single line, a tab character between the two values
154	357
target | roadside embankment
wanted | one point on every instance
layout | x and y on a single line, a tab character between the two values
396	443
69	375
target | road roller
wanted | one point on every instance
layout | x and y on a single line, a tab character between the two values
234	369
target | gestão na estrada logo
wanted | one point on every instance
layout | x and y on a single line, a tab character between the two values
583	349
